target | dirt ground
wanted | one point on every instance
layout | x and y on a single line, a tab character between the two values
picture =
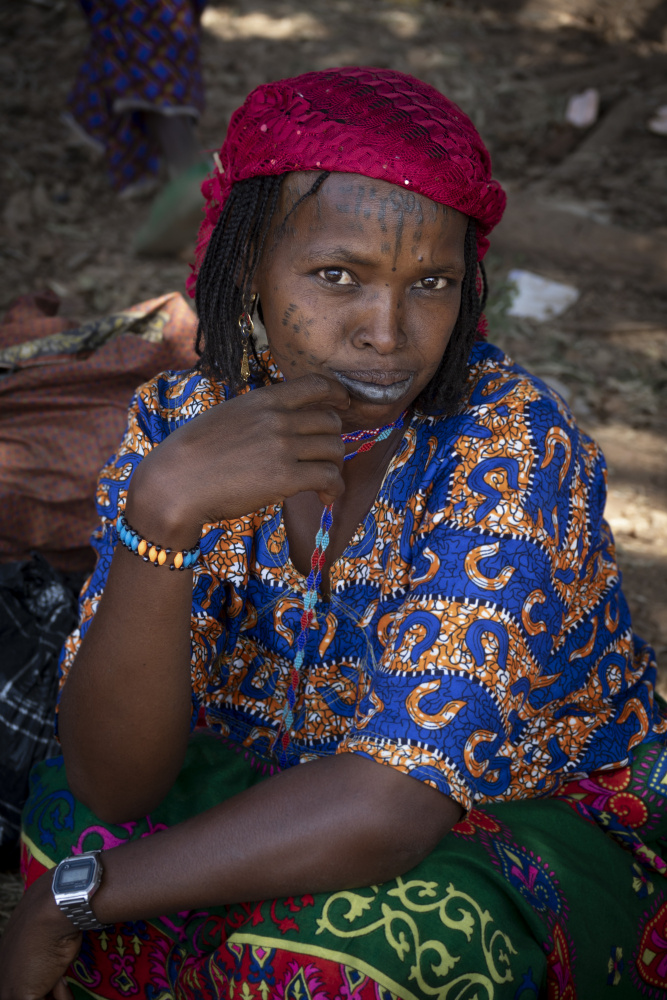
586	206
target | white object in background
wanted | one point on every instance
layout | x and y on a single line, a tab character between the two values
583	109
539	298
658	123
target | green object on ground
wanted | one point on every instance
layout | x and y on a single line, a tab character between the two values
175	214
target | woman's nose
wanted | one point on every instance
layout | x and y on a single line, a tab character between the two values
380	323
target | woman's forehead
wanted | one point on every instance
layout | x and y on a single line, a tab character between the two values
356	193
354	216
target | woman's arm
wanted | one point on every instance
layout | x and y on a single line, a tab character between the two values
335	823
125	709
331	824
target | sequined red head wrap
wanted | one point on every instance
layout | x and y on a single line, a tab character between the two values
374	122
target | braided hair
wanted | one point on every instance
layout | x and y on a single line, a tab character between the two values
228	269
444	392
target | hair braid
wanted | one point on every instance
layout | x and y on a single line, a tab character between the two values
443	393
228	269
311	190
227	273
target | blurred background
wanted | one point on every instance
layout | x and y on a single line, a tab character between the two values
569	95
588	201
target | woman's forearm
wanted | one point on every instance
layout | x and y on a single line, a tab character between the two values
125	709
335	823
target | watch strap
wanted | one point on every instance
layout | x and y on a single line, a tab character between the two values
77	905
80	913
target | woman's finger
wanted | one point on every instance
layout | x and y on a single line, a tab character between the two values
308	389
323	478
320	448
317	420
61	991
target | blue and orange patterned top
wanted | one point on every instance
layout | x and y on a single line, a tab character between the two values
476	637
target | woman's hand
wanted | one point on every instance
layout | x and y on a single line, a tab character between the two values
256	449
131	723
38	945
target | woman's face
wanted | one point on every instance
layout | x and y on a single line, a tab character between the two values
362	285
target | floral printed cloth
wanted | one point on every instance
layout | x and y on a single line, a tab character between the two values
557	898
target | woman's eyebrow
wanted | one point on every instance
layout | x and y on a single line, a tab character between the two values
343	255
337	254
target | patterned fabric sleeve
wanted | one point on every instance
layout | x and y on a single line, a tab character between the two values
511	661
158	408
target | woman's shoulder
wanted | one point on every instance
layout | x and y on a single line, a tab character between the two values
173	397
498	385
513	446
503	403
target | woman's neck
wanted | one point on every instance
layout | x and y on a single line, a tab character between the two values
363	476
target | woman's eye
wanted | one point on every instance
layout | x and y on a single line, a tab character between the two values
433	284
335	276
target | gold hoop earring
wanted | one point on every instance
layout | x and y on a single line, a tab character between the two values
247	328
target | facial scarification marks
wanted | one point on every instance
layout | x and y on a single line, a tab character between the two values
398	205
359	200
382	215
289	313
302	323
291	353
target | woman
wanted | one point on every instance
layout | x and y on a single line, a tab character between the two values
427	759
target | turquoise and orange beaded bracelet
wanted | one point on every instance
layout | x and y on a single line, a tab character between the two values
149	552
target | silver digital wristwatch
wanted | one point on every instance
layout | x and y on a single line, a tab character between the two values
75	881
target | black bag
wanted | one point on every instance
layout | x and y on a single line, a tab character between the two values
37	612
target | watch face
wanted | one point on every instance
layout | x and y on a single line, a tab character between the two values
74	875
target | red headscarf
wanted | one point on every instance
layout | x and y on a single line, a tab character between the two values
374	122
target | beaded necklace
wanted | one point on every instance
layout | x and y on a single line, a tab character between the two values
368	439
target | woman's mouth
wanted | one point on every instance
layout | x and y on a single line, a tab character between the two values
374	386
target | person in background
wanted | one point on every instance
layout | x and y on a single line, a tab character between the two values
136	99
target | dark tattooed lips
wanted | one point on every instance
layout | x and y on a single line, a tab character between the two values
376	386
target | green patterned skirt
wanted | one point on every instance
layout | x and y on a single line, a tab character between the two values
564	897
